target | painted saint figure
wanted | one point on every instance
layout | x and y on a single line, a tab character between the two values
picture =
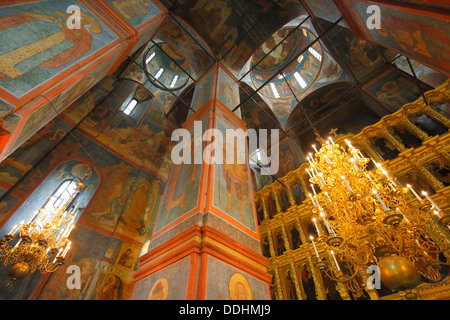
49	44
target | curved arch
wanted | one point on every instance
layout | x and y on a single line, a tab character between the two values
251	110
63	170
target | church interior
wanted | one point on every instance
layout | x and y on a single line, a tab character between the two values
353	96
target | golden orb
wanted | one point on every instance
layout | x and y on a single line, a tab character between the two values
19	271
398	273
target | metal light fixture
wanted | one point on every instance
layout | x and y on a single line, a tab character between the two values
369	219
43	242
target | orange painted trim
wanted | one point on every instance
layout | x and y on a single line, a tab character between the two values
194	231
200	243
228	258
414	8
192	278
202	277
351	16
121	156
218	236
41	100
169	252
38	289
357	25
64	76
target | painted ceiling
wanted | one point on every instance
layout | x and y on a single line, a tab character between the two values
271	46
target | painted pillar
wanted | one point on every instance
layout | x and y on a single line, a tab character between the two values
205	243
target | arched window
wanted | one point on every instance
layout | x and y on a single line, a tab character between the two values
58	190
130	107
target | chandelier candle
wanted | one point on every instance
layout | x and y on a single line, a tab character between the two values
381	201
414	192
431	201
314	246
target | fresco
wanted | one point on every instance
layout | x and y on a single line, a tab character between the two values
423	73
49	109
135	11
280	57
395	90
182	192
102	277
203	91
220	23
360	56
191	46
25	157
423	38
227	90
127	203
225	282
41	46
148	144
325	9
288	159
171	283
232	185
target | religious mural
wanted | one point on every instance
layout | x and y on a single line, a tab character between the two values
102	277
182	192
191	46
360	56
168	284
225	282
232	185
422	37
220	23
203	91
395	90
41	45
227	91
135	11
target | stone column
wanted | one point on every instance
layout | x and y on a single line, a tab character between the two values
206	227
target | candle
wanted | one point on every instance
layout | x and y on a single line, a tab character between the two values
314	146
314	245
348	186
354	164
66	250
309	160
312	187
309	173
315	224
13	230
348	143
381	201
312	199
322	179
332	142
326	223
389	177
415	193
328	160
431	200
335	260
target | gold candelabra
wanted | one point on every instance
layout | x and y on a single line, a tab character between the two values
370	220
43	242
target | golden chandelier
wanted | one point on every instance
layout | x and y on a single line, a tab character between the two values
43	242
369	219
